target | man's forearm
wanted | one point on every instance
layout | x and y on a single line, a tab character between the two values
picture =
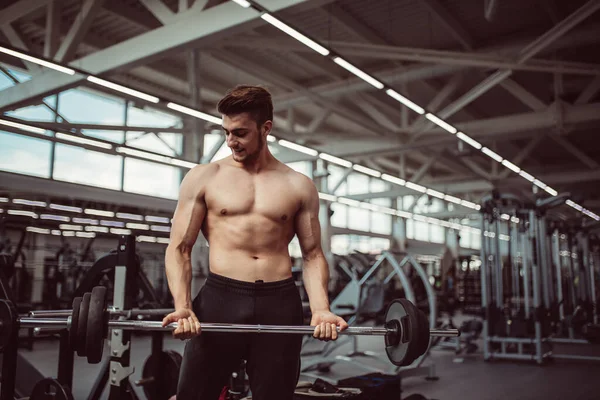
315	275
178	268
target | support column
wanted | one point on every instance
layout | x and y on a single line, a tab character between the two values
37	255
320	177
193	141
398	230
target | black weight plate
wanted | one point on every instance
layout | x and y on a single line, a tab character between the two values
74	323
413	332
8	316
397	351
49	388
96	325
163	386
82	323
423	333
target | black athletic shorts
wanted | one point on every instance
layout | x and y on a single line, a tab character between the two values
272	359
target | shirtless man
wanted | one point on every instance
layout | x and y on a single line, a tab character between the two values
249	206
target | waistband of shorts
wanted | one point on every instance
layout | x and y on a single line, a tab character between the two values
251	288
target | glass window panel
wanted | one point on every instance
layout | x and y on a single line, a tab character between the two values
437	234
475	241
151	117
5	81
410	229
378	185
340	215
378	245
358	183
33	113
381	223
24	155
150	178
86	106
408	201
383	202
436	205
150	142
20	76
340	244
422	206
465	238
335	174
78	165
294	248
421	231
304	167
359	219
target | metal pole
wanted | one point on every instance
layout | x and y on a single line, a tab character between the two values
224	327
526	259
542	262
484	291
558	262
498	265
536	291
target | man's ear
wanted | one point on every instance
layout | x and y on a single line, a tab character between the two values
267	126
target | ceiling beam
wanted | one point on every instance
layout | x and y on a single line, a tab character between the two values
162	13
19	9
589	92
452	25
16	39
52	34
192	27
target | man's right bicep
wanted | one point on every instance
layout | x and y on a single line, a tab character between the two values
188	217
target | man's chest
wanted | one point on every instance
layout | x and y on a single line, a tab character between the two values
274	198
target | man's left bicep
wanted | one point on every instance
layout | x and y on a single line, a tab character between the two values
308	227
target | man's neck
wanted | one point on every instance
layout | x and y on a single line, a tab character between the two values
262	162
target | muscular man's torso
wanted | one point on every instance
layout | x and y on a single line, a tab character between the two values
250	220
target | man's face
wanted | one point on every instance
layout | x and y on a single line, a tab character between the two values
243	137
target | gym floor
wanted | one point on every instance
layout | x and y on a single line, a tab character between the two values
460	377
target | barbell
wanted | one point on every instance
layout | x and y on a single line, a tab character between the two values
406	329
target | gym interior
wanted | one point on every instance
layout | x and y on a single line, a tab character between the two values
451	144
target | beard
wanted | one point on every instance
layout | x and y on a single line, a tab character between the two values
250	157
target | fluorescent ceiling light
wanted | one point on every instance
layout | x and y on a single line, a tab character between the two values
397	96
82	140
441	123
539	184
52	217
335	160
88	221
134	217
491	154
435	193
452	199
271	139
116	224
3	200
101	213
152	218
551	191
195	113
576	206
100	229
514	219
133	225
505	217
295	34
162	240
242	3
470	204
56	232
416	187
327	197
366	170
123	89
23	127
393	179
37	230
117	231
504	237
350	202
23	213
297	147
149	239
469	140
404	214
88	235
361	74
511	166
38	61
160	228
61	207
29	202
68	233
183	163
68	227
419	218
527	176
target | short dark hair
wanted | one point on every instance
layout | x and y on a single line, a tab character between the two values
255	100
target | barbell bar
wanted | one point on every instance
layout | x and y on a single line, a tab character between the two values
406	330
